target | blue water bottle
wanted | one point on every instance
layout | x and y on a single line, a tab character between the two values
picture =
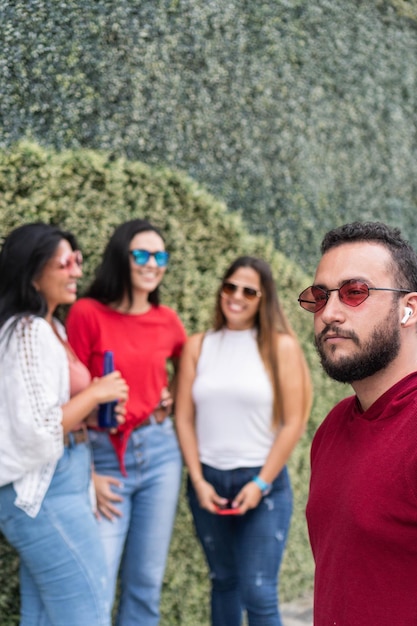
106	416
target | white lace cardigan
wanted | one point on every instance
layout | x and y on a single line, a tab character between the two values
34	384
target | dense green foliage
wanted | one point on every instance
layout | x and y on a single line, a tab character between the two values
300	114
89	193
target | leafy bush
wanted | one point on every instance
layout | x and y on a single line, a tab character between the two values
90	193
299	114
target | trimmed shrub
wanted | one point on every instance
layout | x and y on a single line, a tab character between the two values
300	115
90	193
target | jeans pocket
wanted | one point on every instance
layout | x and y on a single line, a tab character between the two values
93	436
73	471
99	440
167	426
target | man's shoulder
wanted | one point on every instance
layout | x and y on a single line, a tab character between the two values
342	409
335	419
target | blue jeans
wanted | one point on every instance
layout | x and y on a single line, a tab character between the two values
244	553
63	578
138	542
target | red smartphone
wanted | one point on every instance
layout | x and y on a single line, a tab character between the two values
226	509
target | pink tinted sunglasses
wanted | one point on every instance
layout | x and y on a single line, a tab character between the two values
68	261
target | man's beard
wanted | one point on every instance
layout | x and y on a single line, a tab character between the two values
376	354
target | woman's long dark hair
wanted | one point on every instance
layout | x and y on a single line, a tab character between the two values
270	320
113	277
24	254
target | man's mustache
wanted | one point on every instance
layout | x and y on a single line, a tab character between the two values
334	331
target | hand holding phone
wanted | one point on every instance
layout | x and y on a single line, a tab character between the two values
226	509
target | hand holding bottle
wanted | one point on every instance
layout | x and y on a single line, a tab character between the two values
106	411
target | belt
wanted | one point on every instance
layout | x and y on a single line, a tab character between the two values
75	436
150	420
146	422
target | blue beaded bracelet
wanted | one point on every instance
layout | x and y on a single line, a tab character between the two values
263	486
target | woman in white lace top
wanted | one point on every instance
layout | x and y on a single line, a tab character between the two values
46	393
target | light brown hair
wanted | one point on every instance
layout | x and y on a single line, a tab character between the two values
270	319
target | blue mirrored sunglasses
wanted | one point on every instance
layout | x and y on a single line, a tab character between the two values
141	257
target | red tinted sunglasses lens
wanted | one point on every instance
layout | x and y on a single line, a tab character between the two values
354	293
319	297
308	301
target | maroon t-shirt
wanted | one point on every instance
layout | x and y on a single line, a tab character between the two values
362	511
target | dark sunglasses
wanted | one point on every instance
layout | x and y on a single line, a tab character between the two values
352	292
141	257
249	293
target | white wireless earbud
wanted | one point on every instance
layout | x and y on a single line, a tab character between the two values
407	314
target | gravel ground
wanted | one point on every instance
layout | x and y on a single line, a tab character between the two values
298	612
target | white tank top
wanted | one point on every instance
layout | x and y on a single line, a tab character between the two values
233	397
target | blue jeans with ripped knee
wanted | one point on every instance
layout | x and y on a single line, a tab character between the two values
244	553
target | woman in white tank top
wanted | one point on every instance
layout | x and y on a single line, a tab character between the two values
244	396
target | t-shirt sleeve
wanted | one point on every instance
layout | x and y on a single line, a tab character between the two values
179	336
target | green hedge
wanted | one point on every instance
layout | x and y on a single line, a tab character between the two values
299	114
89	193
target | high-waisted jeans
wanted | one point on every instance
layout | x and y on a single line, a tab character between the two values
63	579
138	542
244	552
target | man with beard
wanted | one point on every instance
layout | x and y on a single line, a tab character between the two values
362	508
